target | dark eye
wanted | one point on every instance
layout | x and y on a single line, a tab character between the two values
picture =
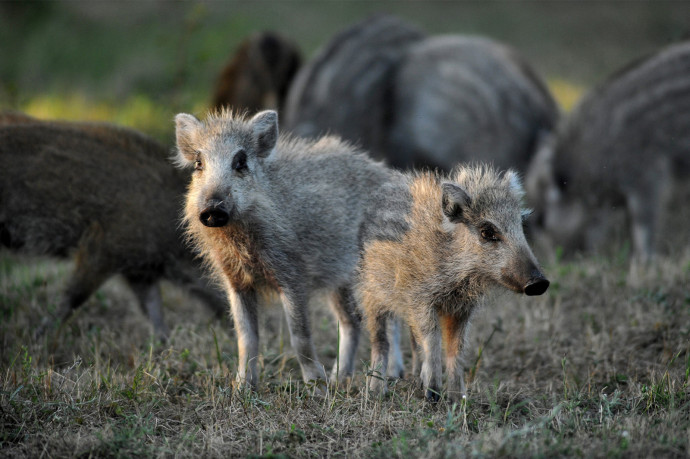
239	161
198	165
489	233
561	182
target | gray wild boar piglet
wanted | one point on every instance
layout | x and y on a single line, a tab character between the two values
433	248
622	147
105	194
281	214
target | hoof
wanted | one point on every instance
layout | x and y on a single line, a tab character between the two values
397	373
432	396
318	387
377	386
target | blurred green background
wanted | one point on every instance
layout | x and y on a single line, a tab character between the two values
138	63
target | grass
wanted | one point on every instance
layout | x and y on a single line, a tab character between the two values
137	111
597	367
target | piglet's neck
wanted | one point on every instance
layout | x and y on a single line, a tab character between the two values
459	273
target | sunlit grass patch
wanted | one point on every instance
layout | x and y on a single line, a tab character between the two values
138	111
566	93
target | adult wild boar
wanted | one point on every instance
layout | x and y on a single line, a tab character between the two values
461	98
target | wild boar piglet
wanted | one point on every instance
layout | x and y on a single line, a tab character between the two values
434	247
274	213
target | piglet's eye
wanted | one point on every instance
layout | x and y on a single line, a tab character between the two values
239	161
198	165
489	234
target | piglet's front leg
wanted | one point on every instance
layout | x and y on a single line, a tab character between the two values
453	328
244	313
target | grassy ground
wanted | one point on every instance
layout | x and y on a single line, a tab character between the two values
599	366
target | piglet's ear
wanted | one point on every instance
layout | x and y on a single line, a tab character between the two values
511	179
265	127
186	127
454	202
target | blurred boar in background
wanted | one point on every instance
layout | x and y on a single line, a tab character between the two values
418	101
346	88
622	146
106	195
458	99
271	213
259	74
433	247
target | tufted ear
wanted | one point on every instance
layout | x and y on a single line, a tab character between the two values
512	180
454	202
185	128
265	129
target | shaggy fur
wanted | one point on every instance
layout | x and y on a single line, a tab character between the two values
273	213
437	246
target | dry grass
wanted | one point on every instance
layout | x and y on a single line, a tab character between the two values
598	366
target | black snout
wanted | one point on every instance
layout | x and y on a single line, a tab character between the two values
215	215
536	286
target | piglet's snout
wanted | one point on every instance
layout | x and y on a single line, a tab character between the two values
215	214
537	284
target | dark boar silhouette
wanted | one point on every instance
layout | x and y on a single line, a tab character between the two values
105	195
258	75
621	147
